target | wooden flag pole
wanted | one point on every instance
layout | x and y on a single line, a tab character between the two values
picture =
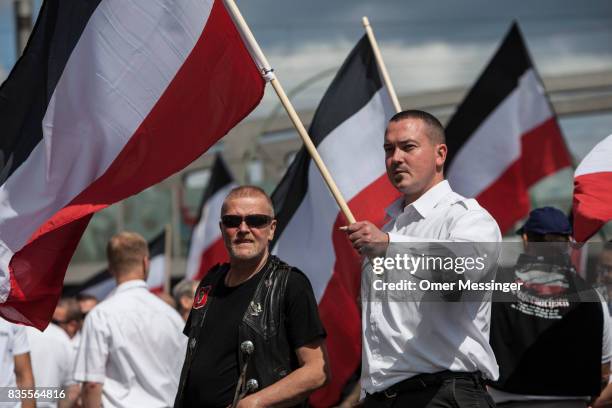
167	257
268	74
381	64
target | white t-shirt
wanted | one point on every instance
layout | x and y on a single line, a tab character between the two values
407	338
52	356
13	342
133	344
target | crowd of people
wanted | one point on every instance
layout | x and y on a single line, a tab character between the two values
249	334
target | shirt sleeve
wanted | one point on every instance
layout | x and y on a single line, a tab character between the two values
302	313
94	348
606	344
20	340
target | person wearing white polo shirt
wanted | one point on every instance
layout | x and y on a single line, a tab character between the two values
424	354
131	342
15	366
52	356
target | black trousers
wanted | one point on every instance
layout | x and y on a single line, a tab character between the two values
454	392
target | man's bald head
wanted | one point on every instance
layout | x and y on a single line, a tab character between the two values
248	191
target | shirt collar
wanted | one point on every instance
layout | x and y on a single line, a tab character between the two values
425	203
131	284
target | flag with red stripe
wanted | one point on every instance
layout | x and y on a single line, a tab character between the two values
206	248
348	130
592	204
109	98
504	137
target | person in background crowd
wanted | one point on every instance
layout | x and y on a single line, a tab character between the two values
86	302
15	365
167	298
131	340
254	315
552	338
424	354
183	294
604	273
68	316
52	354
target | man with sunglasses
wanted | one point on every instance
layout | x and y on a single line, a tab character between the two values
254	318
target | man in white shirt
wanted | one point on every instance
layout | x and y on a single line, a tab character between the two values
131	342
15	366
424	353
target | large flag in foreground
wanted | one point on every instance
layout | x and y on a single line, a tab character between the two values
110	97
592	206
504	136
348	129
206	248
102	283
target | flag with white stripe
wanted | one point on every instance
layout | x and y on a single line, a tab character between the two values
348	130
206	248
109	98
592	204
504	137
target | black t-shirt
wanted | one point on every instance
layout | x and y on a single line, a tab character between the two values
215	367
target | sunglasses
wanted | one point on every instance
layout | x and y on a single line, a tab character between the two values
252	221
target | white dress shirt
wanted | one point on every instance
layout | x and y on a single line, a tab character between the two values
407	338
133	344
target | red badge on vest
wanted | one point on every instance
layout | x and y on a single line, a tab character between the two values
201	297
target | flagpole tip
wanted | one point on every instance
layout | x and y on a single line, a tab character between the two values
365	21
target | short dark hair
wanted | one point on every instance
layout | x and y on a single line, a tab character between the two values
436	130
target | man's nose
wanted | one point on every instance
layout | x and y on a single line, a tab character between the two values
397	155
243	227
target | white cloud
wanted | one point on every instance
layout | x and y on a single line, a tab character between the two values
432	65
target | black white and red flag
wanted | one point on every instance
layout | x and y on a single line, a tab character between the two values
504	137
592	204
206	248
109	98
102	283
348	129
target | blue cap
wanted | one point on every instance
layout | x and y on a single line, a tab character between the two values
547	220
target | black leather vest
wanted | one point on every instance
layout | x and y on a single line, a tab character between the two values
263	323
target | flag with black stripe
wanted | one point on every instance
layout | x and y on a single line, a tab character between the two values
504	137
348	129
206	248
109	98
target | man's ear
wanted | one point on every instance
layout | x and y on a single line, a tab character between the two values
272	230
441	152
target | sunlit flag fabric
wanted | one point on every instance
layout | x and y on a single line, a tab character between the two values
592	204
206	248
109	98
348	130
504	136
102	283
